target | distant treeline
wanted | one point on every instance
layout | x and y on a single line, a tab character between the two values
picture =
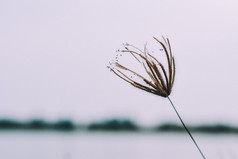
114	125
216	128
37	124
111	125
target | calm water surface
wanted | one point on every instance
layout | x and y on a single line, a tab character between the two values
80	145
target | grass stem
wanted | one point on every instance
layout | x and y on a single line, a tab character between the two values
186	129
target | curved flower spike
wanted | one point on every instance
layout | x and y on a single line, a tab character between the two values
160	81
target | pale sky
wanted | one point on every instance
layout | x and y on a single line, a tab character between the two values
53	58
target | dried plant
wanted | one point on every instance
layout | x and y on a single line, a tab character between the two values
160	79
160	82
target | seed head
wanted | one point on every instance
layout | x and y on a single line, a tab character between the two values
161	80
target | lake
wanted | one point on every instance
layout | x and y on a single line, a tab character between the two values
123	145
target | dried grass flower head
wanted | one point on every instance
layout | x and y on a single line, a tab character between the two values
159	79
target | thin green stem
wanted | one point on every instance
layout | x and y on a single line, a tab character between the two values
186	129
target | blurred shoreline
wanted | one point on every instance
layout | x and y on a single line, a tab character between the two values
112	125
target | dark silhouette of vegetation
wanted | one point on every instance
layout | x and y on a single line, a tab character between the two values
10	124
37	124
114	125
64	125
111	125
170	127
218	128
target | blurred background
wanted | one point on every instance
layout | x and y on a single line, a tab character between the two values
58	99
